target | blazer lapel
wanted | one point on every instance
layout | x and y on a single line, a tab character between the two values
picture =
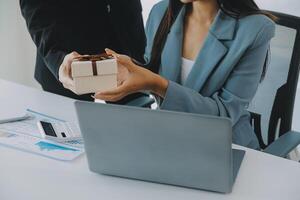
212	52
171	55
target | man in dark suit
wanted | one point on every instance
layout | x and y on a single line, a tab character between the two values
59	27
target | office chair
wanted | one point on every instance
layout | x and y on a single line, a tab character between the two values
273	105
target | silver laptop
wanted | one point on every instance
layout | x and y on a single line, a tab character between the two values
166	147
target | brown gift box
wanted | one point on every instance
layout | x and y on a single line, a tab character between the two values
94	73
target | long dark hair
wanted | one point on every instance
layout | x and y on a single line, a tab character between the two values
233	8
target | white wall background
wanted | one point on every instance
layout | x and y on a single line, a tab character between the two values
17	52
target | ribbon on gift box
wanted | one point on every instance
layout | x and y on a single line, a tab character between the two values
94	59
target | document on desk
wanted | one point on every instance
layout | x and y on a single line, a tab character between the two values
25	136
29	127
39	146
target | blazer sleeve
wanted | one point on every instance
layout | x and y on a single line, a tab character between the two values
42	20
237	92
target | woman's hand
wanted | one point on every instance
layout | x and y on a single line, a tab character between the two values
65	72
131	79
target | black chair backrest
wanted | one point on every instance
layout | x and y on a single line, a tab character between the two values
273	105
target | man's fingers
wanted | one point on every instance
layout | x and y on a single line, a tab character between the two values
68	62
65	71
70	87
70	82
67	81
112	95
70	57
69	72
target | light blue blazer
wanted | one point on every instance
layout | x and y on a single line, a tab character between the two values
226	72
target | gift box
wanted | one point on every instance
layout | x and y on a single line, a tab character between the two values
94	73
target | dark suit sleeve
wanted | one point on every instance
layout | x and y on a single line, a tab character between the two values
43	21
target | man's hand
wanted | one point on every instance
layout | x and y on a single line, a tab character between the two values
65	71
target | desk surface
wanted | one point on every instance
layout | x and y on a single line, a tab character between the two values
29	177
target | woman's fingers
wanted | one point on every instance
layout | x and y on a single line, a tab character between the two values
126	62
110	52
126	68
112	95
116	91
121	59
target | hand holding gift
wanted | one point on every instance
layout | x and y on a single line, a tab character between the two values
85	74
65	71
131	79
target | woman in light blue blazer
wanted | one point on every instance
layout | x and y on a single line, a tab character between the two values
203	56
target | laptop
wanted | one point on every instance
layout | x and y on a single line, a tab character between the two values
181	149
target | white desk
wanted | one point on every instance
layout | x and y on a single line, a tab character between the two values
25	176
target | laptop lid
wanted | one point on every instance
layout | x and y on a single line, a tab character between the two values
174	148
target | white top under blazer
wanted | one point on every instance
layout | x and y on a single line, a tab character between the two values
186	68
